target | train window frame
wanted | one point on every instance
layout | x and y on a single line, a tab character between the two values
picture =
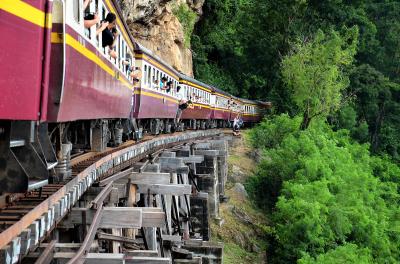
76	11
148	75
119	51
145	72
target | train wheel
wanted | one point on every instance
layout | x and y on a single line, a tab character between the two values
203	124
155	126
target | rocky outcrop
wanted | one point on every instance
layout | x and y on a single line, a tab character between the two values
153	24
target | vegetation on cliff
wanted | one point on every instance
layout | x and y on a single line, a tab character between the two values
330	199
240	45
187	17
329	178
327	195
244	225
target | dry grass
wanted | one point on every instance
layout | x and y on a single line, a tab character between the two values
244	225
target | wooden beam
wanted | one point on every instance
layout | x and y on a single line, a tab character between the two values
193	159
150	178
153	217
120	217
47	255
121	239
94	258
107	258
173	189
142	253
172	238
147	260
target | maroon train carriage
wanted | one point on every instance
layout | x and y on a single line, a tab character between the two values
59	89
198	115
251	111
155	109
220	104
62	93
236	108
24	67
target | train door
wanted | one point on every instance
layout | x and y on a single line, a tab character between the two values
21	52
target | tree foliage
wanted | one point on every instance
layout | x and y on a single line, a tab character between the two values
315	72
187	18
324	190
239	46
333	187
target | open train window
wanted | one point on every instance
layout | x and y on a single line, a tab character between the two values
145	74
119	50
77	11
149	75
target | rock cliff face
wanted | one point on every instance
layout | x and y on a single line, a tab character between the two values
153	24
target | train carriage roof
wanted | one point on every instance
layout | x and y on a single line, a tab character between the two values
194	81
139	48
216	90
248	101
264	104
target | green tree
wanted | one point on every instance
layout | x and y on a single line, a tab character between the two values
378	103
187	18
315	72
348	253
325	190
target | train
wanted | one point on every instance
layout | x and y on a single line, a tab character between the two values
63	93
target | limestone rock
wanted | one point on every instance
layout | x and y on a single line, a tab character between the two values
154	25
239	188
237	175
242	216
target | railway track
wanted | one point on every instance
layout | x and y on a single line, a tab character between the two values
28	219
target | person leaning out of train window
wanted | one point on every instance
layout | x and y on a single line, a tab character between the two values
163	84
169	86
127	64
90	19
136	75
155	84
182	105
194	97
109	33
112	51
179	93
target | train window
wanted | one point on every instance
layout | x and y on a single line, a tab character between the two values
77	11
145	73
149	75
119	50
103	16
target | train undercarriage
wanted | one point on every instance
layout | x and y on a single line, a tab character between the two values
33	154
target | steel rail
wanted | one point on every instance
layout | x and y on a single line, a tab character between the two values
97	204
86	177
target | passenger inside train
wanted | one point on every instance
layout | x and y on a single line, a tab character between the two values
169	86
163	83
109	33
90	19
127	62
136	75
182	105
155	84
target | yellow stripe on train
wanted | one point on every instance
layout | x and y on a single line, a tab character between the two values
27	12
73	43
